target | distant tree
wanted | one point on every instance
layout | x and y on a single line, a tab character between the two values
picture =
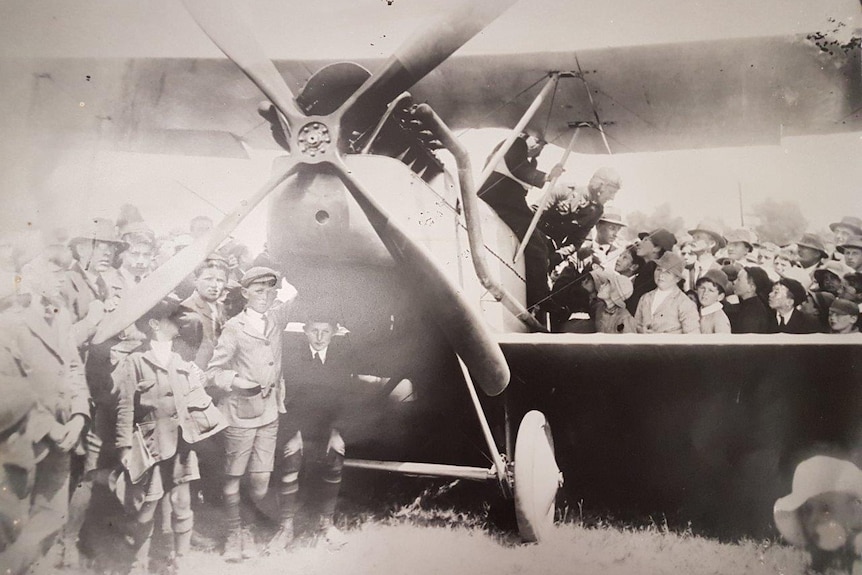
780	222
661	217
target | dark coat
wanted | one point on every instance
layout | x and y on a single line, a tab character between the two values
750	315
317	396
508	196
800	323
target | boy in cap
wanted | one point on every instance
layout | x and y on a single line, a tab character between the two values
843	317
784	299
163	405
711	290
667	309
247	366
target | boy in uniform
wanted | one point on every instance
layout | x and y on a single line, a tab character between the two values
246	364
162	410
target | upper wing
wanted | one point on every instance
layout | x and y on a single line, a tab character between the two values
674	96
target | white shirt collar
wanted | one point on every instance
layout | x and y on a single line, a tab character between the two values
321	353
162	350
256	319
710	309
779	315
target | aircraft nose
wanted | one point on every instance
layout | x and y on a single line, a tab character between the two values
314	217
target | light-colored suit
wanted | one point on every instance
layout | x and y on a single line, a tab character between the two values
676	314
162	398
243	351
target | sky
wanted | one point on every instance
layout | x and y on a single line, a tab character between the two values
821	173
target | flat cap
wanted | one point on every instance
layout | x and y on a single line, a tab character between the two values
844	307
256	274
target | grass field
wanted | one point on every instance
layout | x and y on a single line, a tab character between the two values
415	546
425	536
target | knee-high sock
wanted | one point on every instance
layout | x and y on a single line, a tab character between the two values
288	497
231	507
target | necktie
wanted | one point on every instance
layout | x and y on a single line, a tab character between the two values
781	321
137	279
317	359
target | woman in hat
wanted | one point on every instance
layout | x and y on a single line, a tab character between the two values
667	309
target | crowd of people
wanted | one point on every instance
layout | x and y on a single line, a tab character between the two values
102	442
582	278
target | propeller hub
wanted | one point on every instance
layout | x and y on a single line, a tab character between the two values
314	138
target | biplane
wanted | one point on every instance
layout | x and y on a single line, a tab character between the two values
373	205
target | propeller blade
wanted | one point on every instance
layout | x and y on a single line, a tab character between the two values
418	56
166	277
228	30
463	327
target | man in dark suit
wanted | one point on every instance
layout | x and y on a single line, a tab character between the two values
317	386
506	190
784	299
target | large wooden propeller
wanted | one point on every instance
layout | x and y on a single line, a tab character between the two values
317	140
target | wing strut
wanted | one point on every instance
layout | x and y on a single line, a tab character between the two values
599	126
546	196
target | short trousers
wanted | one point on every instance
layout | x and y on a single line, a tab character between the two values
165	475
249	450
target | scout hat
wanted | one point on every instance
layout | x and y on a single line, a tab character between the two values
100	230
814	476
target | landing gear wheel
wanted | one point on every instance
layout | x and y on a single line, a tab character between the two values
536	477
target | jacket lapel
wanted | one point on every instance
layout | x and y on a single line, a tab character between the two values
248	329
